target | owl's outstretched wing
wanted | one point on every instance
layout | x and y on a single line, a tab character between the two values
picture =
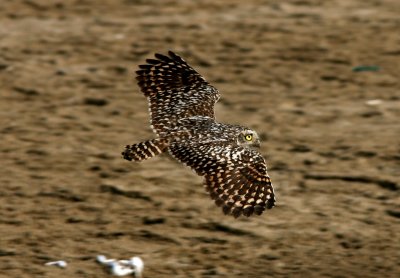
235	177
174	91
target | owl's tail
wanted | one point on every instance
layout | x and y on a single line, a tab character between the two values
145	150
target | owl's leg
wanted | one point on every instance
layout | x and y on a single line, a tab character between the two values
145	150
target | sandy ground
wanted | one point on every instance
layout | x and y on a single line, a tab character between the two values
69	104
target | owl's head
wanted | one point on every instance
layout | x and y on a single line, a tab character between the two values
248	138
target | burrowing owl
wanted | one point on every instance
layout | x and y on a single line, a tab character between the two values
182	116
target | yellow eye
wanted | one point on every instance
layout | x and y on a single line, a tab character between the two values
248	137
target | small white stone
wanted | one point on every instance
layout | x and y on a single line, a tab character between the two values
120	270
373	102
134	265
138	265
61	264
103	260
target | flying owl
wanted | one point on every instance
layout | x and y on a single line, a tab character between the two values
181	105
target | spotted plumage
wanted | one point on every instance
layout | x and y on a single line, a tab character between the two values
181	104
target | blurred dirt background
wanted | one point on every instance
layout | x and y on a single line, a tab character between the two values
69	104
